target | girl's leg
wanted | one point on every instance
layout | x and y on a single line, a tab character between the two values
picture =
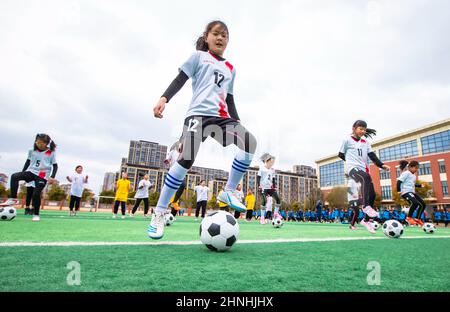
204	203
179	192
19	176
77	203
39	186
124	207
116	206
71	203
29	197
136	206
422	206
197	209
146	206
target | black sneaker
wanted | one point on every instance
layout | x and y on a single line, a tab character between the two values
27	211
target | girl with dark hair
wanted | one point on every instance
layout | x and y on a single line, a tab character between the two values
40	167
78	181
212	112
266	182
406	185
355	151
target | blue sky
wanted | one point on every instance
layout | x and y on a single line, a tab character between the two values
89	73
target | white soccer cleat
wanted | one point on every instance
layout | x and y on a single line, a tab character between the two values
10	202
123	217
156	227
36	218
114	216
230	198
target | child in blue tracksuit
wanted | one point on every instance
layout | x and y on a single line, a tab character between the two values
299	215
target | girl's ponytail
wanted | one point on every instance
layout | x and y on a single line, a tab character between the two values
403	164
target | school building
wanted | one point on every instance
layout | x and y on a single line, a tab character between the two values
429	145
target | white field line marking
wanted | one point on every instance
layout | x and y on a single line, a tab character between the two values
261	241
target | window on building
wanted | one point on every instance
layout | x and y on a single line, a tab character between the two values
444	188
386	192
425	169
436	143
399	151
332	174
385	175
442	167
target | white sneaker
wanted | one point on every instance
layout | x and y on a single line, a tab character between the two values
230	198
156	227
114	216
36	218
10	202
123	217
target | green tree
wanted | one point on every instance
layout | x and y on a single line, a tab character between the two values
87	195
425	192
378	199
130	197
3	191
153	198
56	193
22	192
295	206
338	197
107	200
212	204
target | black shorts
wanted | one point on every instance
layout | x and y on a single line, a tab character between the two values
225	131
354	203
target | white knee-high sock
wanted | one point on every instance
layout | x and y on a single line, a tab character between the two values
172	182
240	165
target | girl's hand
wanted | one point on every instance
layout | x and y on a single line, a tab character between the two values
159	108
386	167
51	181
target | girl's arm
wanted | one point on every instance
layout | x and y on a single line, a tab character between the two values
27	164
232	107
69	179
175	86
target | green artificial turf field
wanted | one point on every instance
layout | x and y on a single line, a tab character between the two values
338	264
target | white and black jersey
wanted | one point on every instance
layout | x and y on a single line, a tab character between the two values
267	178
41	163
356	153
407	182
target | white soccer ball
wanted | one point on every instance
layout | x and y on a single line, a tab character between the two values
429	228
375	225
219	230
7	213
392	229
169	218
277	222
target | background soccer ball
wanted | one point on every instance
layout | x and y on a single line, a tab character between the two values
277	222
169	218
7	213
219	230
376	225
392	229
429	228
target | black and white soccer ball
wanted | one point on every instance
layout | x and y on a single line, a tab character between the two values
375	225
169	219
7	213
392	229
277	222
429	228
219	230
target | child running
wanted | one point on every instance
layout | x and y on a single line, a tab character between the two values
212	112
40	167
78	181
355	151
267	185
406	185
142	195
